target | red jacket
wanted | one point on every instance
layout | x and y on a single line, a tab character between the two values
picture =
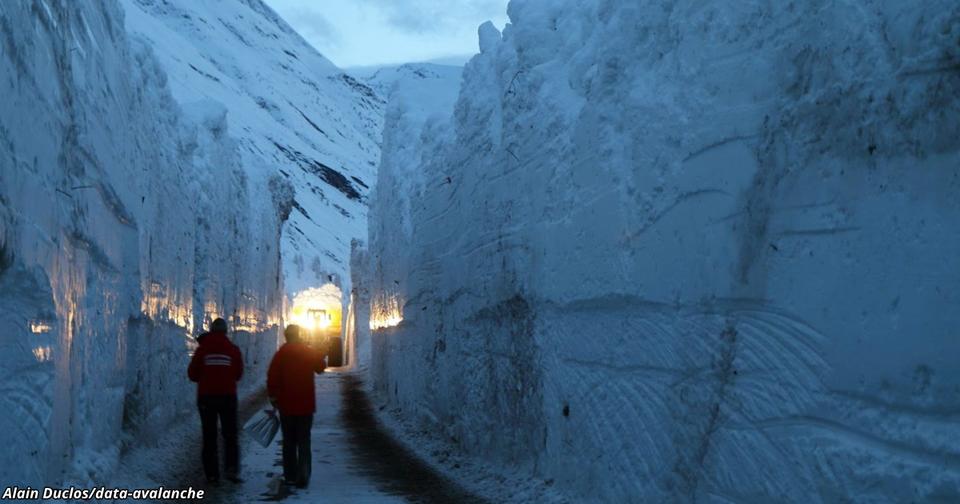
216	366
290	378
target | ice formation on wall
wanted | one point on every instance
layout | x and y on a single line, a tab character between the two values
675	251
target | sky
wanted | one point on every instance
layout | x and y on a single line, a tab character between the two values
359	33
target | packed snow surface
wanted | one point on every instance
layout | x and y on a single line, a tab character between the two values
685	251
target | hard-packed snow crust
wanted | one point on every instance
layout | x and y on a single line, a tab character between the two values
126	224
675	251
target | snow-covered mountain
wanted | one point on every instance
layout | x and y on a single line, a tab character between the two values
290	110
670	251
429	78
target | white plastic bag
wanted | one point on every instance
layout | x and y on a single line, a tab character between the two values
263	427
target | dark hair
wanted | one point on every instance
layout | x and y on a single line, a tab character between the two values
218	325
292	333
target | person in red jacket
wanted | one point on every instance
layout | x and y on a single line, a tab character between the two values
217	366
291	390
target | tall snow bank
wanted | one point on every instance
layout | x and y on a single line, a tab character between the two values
674	251
125	226
420	100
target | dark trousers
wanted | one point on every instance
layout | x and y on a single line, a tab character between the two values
224	408
296	447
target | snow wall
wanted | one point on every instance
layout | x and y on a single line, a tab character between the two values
356	329
124	226
675	251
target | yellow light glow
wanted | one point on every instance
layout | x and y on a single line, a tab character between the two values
40	327
381	323
161	303
385	311
43	353
317	310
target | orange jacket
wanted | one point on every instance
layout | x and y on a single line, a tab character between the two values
290	378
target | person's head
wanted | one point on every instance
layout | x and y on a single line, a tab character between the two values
218	326
292	333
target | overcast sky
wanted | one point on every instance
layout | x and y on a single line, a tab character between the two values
355	33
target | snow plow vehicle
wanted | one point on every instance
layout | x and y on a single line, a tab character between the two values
324	334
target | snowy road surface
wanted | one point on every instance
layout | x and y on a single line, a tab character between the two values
354	461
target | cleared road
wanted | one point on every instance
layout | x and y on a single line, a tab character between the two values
355	461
